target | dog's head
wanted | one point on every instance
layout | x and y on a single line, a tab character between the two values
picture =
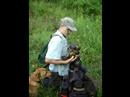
76	75
42	72
39	74
73	50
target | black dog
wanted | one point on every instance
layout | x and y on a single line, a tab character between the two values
74	50
79	84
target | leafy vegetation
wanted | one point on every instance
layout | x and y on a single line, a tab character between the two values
44	16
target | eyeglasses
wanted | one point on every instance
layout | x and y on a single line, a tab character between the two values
69	30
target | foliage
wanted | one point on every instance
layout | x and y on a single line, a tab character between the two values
44	16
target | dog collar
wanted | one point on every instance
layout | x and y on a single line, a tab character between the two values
78	89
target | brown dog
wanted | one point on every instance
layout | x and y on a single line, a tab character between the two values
34	79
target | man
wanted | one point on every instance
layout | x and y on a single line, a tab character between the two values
57	48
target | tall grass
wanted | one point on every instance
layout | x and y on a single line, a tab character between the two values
44	16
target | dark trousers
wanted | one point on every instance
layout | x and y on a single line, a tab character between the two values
53	81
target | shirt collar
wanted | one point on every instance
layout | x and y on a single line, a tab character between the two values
59	33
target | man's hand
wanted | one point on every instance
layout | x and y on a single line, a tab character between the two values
71	59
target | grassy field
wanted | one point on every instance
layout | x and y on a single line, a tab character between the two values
44	16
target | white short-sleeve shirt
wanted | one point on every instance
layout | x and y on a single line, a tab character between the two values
57	48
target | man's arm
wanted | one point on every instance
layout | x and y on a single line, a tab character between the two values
59	61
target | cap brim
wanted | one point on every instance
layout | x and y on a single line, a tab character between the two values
73	29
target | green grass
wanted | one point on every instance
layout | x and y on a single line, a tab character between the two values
43	21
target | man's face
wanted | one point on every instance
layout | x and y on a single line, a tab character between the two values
65	30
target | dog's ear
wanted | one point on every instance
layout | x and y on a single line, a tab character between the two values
78	48
39	76
35	76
